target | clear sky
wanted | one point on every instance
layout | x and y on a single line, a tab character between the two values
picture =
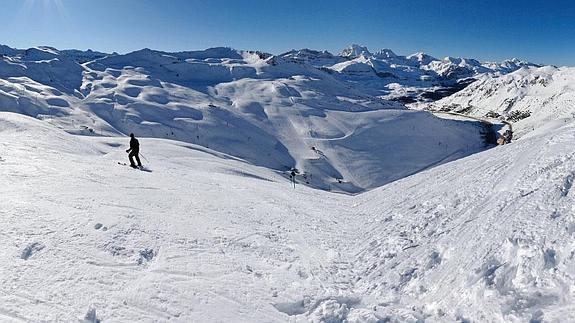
539	31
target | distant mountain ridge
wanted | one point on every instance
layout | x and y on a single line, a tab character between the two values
418	77
411	78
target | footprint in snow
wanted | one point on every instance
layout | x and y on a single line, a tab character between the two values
31	249
146	255
90	317
99	226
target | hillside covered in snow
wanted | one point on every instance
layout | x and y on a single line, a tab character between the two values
204	236
213	230
271	111
529	97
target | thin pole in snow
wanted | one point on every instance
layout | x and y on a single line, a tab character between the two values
146	159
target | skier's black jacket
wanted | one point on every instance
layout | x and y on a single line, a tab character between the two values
134	145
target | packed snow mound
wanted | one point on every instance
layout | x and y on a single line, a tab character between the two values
529	97
268	110
201	235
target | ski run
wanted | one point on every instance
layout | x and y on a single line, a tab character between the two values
397	214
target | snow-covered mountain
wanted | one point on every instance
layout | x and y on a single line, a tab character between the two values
268	110
43	65
529	97
81	56
411	78
354	51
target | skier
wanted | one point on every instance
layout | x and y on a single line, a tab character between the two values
508	136
292	176
134	151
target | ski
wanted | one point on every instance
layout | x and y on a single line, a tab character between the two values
134	167
142	168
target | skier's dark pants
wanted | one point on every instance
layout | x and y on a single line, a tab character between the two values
134	154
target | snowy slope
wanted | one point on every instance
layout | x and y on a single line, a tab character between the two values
269	111
212	229
203	236
412	78
487	238
82	232
529	97
44	65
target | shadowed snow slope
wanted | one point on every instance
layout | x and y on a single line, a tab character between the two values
203	236
529	97
270	111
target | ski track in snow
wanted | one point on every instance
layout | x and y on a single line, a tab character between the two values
101	266
191	241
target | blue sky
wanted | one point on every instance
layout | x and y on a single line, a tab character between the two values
540	31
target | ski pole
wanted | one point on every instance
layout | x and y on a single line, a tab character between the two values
146	159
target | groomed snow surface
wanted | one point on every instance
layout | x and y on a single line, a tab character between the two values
202	236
